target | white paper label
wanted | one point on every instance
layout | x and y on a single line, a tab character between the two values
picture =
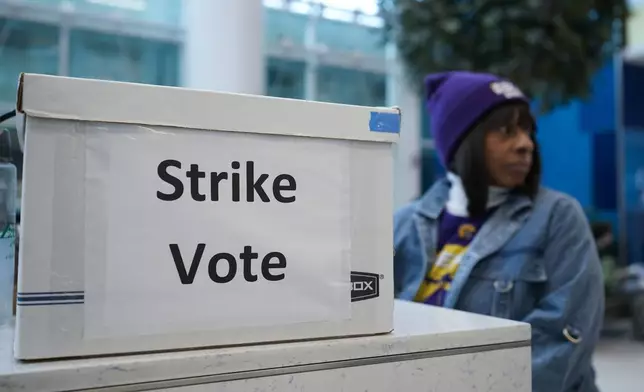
200	248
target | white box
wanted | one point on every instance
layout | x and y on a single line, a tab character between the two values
158	218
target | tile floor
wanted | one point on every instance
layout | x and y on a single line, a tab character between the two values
620	365
619	360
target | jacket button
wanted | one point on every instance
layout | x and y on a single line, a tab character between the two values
503	286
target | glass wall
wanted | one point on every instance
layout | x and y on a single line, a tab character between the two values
350	37
163	12
25	47
283	26
285	78
350	86
126	59
145	53
346	57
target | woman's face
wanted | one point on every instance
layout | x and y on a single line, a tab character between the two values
509	152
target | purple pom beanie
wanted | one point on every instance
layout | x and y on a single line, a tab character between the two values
457	100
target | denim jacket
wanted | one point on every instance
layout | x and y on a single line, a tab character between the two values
533	261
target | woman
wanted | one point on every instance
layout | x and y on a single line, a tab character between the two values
488	239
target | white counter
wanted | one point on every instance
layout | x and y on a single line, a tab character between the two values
431	348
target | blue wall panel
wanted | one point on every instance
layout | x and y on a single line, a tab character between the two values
634	193
604	171
633	96
634	169
566	153
598	111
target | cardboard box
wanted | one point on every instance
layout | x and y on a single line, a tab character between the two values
157	218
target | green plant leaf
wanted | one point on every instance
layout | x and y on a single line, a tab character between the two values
550	48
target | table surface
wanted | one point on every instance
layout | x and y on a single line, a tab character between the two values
418	329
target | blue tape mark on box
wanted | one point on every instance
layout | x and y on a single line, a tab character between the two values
384	122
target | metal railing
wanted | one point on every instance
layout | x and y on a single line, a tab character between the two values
325	9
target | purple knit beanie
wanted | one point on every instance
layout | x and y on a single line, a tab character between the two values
457	100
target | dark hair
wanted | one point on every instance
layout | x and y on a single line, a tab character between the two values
469	160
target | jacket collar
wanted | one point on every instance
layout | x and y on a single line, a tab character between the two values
434	200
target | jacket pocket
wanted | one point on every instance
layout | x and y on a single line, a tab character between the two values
515	281
502	298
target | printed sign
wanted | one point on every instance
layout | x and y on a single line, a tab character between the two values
206	230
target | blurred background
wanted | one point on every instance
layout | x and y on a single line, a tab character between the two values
587	80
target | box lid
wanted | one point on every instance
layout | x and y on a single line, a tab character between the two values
66	98
420	330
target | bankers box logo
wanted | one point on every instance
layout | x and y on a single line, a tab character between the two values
364	286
